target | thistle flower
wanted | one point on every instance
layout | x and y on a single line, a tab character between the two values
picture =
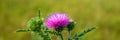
57	21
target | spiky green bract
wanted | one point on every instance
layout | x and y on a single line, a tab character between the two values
71	25
34	24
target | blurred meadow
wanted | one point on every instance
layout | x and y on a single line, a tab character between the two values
105	14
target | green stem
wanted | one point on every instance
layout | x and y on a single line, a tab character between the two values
39	15
35	36
46	36
69	35
61	36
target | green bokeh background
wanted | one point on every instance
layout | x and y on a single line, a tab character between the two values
105	14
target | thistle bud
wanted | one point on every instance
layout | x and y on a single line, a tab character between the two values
71	25
34	24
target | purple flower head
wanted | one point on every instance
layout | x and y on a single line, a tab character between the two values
57	21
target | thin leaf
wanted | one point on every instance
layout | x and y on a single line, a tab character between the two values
22	30
86	31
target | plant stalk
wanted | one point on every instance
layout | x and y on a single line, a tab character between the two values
61	36
69	35
35	36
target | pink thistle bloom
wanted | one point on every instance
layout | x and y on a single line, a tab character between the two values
57	21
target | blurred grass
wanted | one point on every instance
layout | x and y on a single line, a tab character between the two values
105	14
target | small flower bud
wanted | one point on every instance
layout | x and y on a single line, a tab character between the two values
71	25
34	24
